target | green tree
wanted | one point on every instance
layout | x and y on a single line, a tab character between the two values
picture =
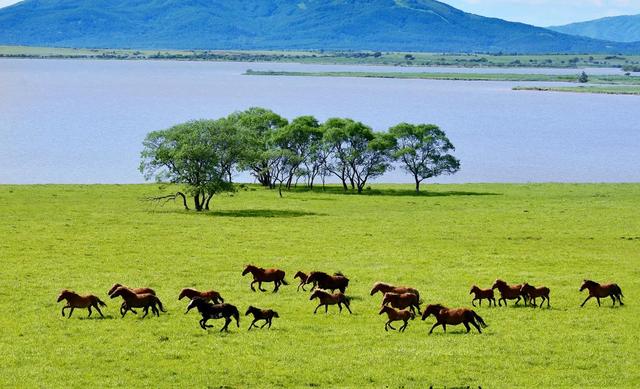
583	78
424	151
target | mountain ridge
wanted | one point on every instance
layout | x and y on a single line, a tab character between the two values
625	28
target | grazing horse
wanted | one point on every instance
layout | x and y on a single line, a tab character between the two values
303	280
134	300
532	293
402	301
261	314
261	275
327	299
328	282
453	317
388	288
210	295
75	300
123	307
217	311
396	315
482	294
508	292
601	291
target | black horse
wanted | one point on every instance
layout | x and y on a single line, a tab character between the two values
214	311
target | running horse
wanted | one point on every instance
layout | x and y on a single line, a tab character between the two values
402	301
396	315
326	298
480	294
328	282
261	314
453	317
261	275
134	300
388	288
532	293
75	300
303	280
509	292
601	291
218	311
123	306
210	295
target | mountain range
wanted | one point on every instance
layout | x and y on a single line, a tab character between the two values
386	25
616	28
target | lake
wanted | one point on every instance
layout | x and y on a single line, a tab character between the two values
77	121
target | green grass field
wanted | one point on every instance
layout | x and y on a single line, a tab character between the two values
606	90
88	237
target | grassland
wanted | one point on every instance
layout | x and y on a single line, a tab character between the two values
335	57
88	237
607	90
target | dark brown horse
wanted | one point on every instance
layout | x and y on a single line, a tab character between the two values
601	291
303	280
402	301
123	308
532	293
261	275
74	300
134	300
326	298
210	295
396	315
328	282
481	294
218	311
508	292
453	317
388	288
261	314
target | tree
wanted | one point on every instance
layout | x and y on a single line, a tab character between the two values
189	154
423	150
583	78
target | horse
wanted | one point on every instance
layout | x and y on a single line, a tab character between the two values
396	315
601	291
326	298
261	275
453	317
482	294
74	300
123	308
217	311
210	295
328	282
261	314
402	301
134	300
386	288
532	293
303	280
508	292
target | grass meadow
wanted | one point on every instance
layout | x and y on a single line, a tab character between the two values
88	237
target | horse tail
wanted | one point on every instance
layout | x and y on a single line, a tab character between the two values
479	319
619	291
160	305
100	302
236	315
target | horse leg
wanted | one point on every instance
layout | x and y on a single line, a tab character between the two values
227	320
585	301
473	322
473	302
260	286
326	308
404	326
548	304
146	311
418	308
390	325
619	301
253	282
518	300
444	327
63	308
277	287
203	324
70	312
155	310
319	305
98	309
466	325
598	298
533	302
252	324
89	309
348	309
434	326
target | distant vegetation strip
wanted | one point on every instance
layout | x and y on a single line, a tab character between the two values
594	79
613	90
627	62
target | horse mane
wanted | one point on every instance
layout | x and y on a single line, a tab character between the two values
339	273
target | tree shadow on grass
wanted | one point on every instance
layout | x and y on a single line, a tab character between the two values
336	190
262	213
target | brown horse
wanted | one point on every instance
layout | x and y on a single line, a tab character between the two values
388	288
134	300
402	301
532	293
327	299
481	294
75	300
453	317
261	314
261	275
601	291
123	307
328	282
508	292
210	295
303	280
396	315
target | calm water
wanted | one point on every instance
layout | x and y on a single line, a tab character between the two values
84	121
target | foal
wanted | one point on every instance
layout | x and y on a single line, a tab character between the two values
482	294
134	300
210	295
402	301
303	280
454	317
261	275
123	307
388	288
328	282
327	299
75	300
261	314
508	292
217	311
601	291
396	315
532	293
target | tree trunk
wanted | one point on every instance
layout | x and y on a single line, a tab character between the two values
196	201
206	204
417	184
184	200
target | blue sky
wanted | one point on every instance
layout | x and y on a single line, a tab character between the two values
537	12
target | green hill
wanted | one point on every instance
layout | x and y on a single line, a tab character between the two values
618	28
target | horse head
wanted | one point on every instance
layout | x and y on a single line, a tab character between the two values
300	275
474	289
432	309
249	310
588	284
248	269
113	288
63	295
498	284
